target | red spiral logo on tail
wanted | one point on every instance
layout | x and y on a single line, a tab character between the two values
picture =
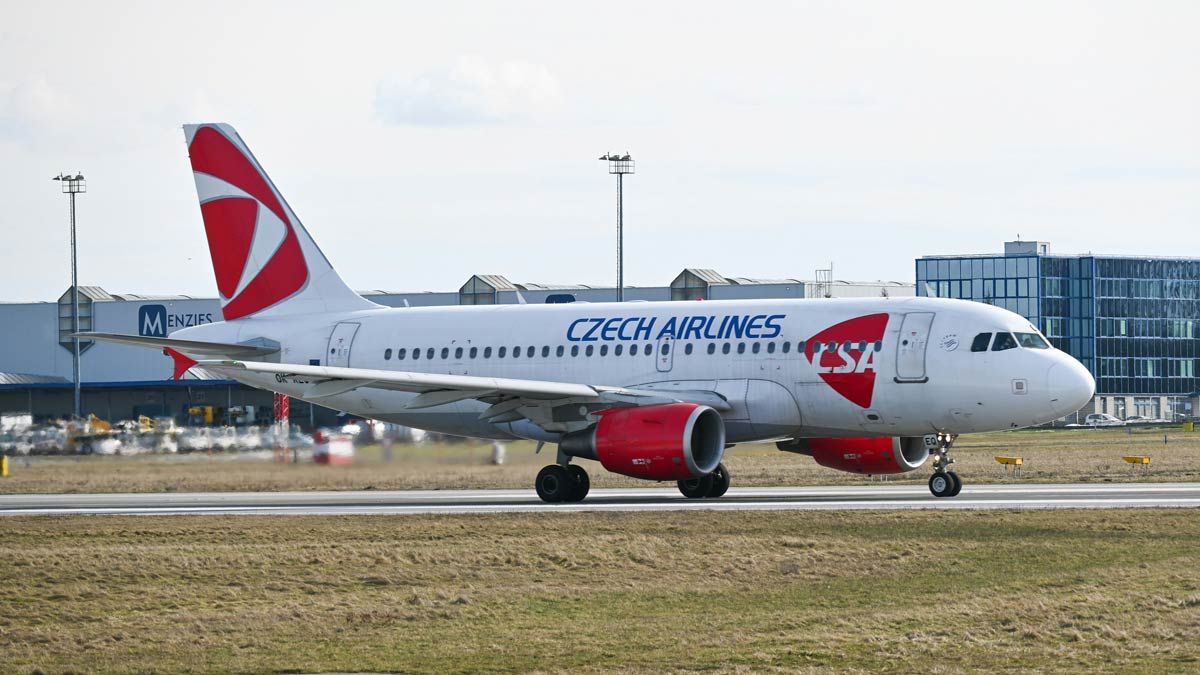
231	223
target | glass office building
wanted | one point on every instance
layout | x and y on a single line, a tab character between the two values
1132	321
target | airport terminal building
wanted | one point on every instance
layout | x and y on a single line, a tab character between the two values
122	382
1133	321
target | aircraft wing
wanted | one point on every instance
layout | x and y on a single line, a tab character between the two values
546	403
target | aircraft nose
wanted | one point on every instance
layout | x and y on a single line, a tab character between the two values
1070	386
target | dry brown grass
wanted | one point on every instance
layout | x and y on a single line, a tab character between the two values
1050	456
1068	592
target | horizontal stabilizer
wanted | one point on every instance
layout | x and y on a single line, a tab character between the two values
190	346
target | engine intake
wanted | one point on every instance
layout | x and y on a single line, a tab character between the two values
674	441
875	456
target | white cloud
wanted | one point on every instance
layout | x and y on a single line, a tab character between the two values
471	91
25	106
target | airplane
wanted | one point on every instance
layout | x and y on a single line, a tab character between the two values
652	390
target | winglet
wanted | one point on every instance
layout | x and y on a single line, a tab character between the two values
182	363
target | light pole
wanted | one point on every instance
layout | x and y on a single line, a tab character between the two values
619	165
73	186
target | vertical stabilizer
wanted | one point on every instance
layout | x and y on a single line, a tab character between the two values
264	260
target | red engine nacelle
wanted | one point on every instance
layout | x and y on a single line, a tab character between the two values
674	441
863	455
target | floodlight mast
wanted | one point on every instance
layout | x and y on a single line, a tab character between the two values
73	185
619	165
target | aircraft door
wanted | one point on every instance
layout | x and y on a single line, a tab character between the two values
664	354
910	347
340	341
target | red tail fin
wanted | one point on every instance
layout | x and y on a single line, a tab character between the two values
263	258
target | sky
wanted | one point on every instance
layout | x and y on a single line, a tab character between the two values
420	143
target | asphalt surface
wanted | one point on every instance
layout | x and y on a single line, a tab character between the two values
815	498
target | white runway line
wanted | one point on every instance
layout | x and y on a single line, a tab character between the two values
657	499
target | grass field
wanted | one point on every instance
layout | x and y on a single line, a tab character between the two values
1050	456
1061	592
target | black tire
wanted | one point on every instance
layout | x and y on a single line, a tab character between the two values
958	483
720	481
941	484
553	484
581	483
696	488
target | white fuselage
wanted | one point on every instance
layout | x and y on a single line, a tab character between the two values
908	372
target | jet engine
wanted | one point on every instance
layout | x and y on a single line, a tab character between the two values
874	456
673	441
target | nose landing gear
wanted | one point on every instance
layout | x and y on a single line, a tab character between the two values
944	482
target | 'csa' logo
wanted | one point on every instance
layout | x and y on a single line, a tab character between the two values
847	367
152	320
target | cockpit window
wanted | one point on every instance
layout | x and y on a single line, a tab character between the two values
980	344
1032	341
1004	341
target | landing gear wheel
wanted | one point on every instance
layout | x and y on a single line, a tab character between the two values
695	488
957	484
580	483
941	484
554	484
720	481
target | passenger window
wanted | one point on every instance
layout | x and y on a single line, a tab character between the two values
400	354
666	349
416	353
833	346
445	353
574	350
770	347
603	350
487	352
588	350
1004	341
545	351
516	352
502	352
387	354
980	343
755	347
712	348
458	352
800	347
530	352
648	350
741	347
879	345
687	349
618	350
725	348
559	351
816	347
787	347
1032	341
862	346
474	352
846	346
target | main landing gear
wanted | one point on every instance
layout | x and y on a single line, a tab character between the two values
562	483
711	486
944	482
570	483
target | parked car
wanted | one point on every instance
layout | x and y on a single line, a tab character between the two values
1103	420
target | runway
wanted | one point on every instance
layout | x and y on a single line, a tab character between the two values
412	502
